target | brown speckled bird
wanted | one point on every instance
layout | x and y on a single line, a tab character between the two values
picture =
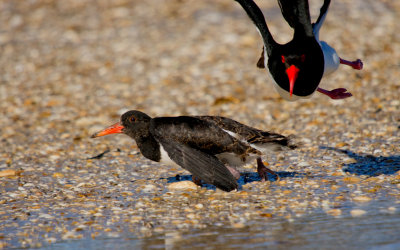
209	147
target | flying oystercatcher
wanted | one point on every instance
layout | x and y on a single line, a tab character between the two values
209	147
298	66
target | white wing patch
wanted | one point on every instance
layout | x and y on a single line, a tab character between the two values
233	134
264	148
232	159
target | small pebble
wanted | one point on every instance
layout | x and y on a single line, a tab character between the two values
199	206
149	188
182	185
357	212
334	212
362	198
7	172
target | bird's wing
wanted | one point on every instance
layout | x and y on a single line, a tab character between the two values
193	143
322	15
203	166
297	15
249	134
197	133
256	15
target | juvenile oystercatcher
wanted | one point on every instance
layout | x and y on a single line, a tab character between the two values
298	66
209	147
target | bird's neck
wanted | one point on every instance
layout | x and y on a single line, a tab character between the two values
300	34
149	147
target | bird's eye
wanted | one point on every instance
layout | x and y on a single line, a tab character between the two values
303	58
132	119
283	59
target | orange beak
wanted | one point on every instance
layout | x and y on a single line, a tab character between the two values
113	129
292	73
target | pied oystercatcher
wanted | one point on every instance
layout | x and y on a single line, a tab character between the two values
209	147
298	66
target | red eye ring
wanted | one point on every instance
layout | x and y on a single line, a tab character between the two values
132	119
283	59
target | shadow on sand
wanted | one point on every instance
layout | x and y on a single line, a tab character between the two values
245	177
368	164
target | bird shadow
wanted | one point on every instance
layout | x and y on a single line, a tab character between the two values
367	164
245	178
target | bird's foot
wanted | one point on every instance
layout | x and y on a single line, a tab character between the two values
196	181
262	171
340	93
357	64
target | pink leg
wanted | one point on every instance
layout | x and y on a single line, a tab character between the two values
340	93
196	181
263	170
357	64
234	172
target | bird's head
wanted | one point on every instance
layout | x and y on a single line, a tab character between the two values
292	64
133	123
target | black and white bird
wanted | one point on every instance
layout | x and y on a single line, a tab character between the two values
209	147
298	66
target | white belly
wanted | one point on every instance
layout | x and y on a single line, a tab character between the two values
235	161
331	58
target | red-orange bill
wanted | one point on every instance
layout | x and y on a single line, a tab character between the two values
113	129
292	73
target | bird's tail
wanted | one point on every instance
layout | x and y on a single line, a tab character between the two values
275	142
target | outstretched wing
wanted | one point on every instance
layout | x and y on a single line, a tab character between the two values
322	15
201	165
256	15
297	15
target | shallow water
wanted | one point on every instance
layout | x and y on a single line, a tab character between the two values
378	229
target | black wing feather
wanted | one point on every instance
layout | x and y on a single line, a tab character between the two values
199	134
322	15
203	166
322	11
250	134
256	15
